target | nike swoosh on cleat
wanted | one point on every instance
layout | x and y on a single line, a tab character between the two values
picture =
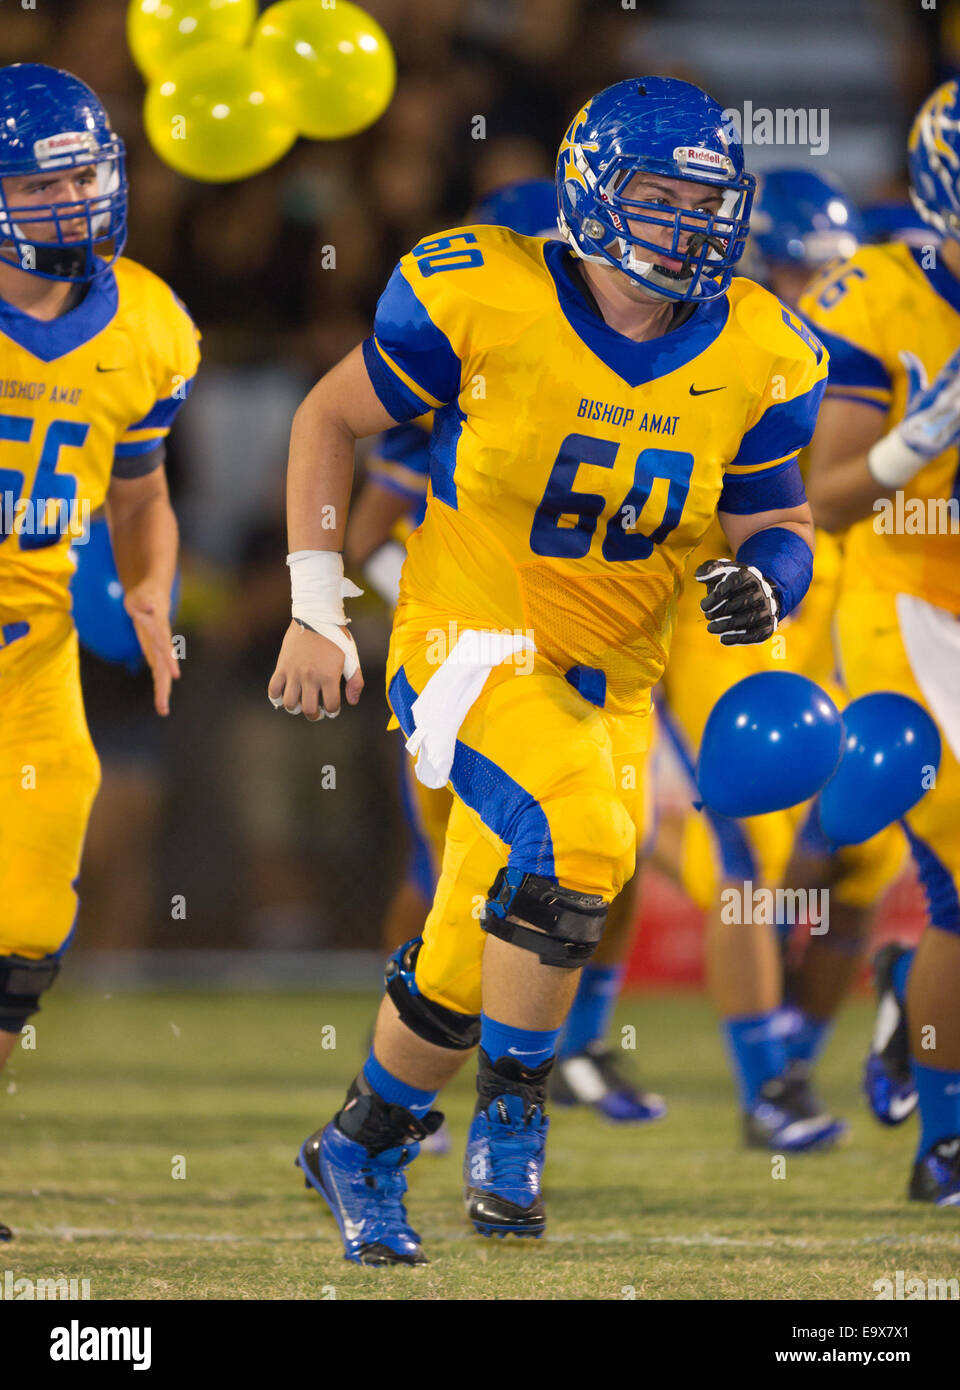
902	1106
515	1052
706	390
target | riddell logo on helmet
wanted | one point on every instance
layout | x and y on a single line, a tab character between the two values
705	159
58	147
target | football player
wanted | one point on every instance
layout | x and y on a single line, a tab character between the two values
388	507
97	357
884	464
801	221
597	405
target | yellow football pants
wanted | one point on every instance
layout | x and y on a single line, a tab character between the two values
544	782
49	775
873	657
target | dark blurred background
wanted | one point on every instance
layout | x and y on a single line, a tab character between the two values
225	804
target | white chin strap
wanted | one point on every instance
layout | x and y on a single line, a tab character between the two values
631	261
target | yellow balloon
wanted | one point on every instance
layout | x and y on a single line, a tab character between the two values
331	70
208	117
159	30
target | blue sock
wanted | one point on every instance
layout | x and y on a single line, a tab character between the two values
589	1018
899	975
529	1047
396	1092
809	1039
757	1052
939	1105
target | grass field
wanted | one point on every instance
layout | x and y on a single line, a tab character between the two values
94	1119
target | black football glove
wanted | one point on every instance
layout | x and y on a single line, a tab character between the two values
741	606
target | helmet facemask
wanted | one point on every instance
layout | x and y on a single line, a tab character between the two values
714	240
35	239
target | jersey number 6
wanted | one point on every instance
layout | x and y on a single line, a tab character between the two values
622	541
49	486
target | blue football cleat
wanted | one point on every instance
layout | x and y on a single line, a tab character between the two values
506	1148
887	1077
593	1077
5	1232
936	1176
789	1118
357	1163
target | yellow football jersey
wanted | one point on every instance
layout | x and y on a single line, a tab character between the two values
870	309
82	398
572	470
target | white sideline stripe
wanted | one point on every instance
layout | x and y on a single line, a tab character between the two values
704	1240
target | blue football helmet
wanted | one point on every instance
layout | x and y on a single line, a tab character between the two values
528	206
933	154
51	122
658	126
803	219
896	221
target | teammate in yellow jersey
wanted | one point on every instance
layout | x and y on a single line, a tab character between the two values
884	464
801	221
598	404
96	356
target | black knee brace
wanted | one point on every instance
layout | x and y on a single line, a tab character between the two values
22	982
433	1022
569	925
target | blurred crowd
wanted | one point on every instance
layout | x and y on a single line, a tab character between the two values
231	805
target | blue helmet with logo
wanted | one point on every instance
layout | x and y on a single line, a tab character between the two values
52	123
803	219
933	154
528	206
665	128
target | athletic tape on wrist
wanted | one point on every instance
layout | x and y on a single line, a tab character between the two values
892	462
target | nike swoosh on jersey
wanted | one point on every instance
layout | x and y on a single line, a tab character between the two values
108	369
705	391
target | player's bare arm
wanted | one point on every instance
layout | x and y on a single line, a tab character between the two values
342	408
840	485
738	529
143	530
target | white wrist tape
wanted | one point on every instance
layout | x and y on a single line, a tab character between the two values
319	588
892	462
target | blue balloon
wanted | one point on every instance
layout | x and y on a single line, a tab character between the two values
770	742
891	744
104	626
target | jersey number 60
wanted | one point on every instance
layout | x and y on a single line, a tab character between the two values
622	541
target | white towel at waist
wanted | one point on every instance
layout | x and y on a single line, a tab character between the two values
441	707
932	638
